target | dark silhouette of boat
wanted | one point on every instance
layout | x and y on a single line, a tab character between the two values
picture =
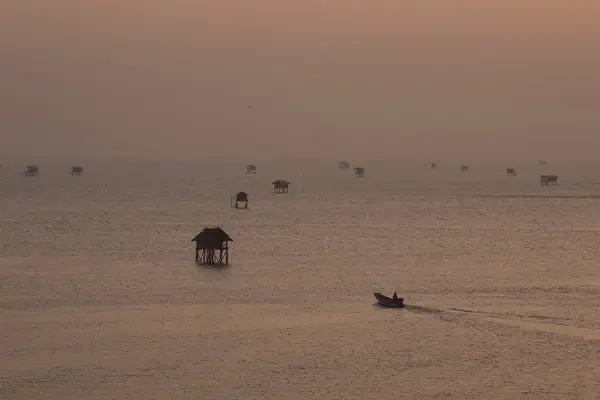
388	301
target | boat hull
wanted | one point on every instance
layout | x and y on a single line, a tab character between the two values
388	301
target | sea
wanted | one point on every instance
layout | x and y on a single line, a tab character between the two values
101	297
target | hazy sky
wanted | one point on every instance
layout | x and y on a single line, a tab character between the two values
339	78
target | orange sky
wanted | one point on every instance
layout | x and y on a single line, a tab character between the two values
338	77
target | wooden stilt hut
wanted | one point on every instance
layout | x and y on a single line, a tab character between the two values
464	168
549	180
212	246
251	169
359	172
31	170
241	197
76	170
280	186
511	172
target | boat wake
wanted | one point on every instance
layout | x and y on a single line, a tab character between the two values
533	196
540	323
424	310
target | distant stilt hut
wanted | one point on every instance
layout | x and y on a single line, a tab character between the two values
280	186
549	180
210	241
31	170
241	197
76	170
251	169
464	168
343	165
511	172
433	165
359	172
542	163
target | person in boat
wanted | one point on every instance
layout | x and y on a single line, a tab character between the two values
397	299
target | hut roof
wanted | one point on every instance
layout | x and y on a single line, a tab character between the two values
212	237
359	169
280	182
241	196
250	166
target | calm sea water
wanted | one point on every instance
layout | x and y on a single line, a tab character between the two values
101	298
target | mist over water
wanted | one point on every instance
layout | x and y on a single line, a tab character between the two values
102	299
164	104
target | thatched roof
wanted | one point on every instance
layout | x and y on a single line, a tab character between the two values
241	196
252	166
212	237
280	182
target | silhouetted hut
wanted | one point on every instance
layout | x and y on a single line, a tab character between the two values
542	162
549	180
76	170
359	172
31	170
511	172
464	168
280	186
343	165
251	169
241	197
208	242
433	165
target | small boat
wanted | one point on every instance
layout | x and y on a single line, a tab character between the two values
388	301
